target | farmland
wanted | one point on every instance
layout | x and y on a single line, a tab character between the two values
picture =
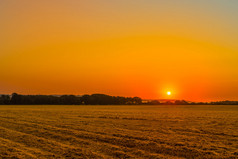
119	131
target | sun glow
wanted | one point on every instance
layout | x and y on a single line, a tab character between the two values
168	93
79	47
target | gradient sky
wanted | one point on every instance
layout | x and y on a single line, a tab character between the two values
120	47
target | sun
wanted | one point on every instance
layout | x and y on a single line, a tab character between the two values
168	93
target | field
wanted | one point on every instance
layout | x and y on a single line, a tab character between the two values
119	132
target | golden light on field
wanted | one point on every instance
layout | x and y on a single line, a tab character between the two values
69	131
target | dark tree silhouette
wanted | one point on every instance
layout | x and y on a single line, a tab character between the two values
94	99
4	99
180	102
16	99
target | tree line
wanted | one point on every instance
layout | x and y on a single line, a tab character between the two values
94	99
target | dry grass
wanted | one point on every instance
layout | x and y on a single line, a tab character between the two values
119	132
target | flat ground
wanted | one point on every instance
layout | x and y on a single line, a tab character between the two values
119	132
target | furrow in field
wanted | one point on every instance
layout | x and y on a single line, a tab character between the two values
23	150
142	145
123	132
7	151
69	129
120	151
56	148
132	132
159	138
107	149
85	140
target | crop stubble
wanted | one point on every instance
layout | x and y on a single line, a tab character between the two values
119	131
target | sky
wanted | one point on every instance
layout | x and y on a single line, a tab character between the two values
122	47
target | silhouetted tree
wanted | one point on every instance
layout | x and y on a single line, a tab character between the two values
154	102
85	99
4	99
16	99
70	100
180	102
94	99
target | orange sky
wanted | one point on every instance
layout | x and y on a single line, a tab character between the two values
127	48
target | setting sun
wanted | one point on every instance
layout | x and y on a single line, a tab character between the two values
168	93
120	48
